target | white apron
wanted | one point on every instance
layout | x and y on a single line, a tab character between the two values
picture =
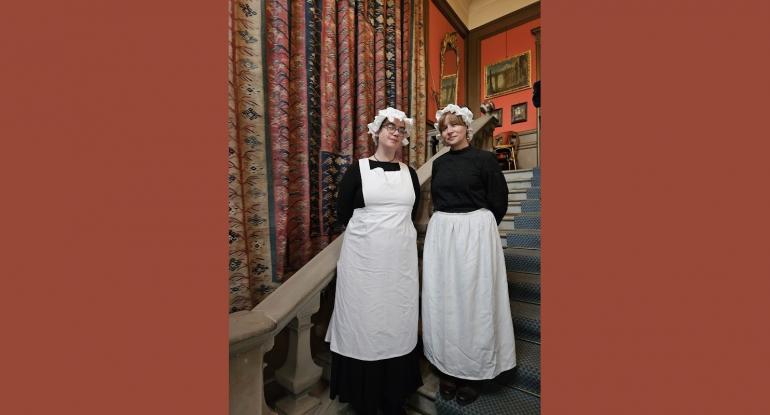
467	331
377	293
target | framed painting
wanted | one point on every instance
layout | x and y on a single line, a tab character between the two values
508	75
518	112
448	90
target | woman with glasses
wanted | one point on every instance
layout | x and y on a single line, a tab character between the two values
467	331
373	328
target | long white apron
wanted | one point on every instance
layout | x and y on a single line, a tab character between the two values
377	294
467	331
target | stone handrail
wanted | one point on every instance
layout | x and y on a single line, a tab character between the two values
292	304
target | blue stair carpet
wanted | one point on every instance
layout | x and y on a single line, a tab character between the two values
522	260
533	192
524	287
527	221
523	238
526	374
526	321
530	205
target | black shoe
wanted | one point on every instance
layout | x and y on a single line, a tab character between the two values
447	389
466	395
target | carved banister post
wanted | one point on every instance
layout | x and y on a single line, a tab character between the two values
300	372
424	210
251	337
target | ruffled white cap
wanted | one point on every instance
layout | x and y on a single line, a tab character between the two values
391	114
463	112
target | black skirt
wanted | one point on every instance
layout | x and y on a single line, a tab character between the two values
369	385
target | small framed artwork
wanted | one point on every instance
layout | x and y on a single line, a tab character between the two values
518	112
498	113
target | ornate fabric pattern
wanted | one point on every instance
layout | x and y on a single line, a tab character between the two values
418	147
306	77
248	177
390	54
365	87
380	89
277	51
298	208
333	167
329	105
403	59
346	73
313	68
405	53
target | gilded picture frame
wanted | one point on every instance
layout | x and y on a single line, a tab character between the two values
508	75
448	92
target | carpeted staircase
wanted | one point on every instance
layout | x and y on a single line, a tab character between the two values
518	390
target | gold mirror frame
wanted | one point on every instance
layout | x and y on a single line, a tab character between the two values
449	42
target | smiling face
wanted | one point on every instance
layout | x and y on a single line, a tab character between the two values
453	131
391	134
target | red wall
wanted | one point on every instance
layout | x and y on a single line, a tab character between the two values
438	26
498	47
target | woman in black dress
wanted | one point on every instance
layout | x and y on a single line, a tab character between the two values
467	328
373	329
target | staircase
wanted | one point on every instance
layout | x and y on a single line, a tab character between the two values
518	390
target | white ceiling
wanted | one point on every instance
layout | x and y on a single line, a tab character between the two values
475	13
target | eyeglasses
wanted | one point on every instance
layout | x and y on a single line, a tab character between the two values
392	128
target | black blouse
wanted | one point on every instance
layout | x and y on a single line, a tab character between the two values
350	195
469	179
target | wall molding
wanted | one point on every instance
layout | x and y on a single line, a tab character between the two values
452	17
473	48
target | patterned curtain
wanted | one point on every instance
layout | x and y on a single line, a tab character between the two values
250	178
300	99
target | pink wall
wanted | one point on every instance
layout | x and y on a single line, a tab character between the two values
438	26
498	47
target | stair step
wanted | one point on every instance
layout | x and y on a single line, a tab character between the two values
530	205
514	207
506	225
335	407
526	321
517	194
524	287
523	238
520	221
422	401
522	260
533	192
519	184
526	374
518	174
493	399
527	221
421	404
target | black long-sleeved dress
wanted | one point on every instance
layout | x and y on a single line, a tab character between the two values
383	384
469	179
